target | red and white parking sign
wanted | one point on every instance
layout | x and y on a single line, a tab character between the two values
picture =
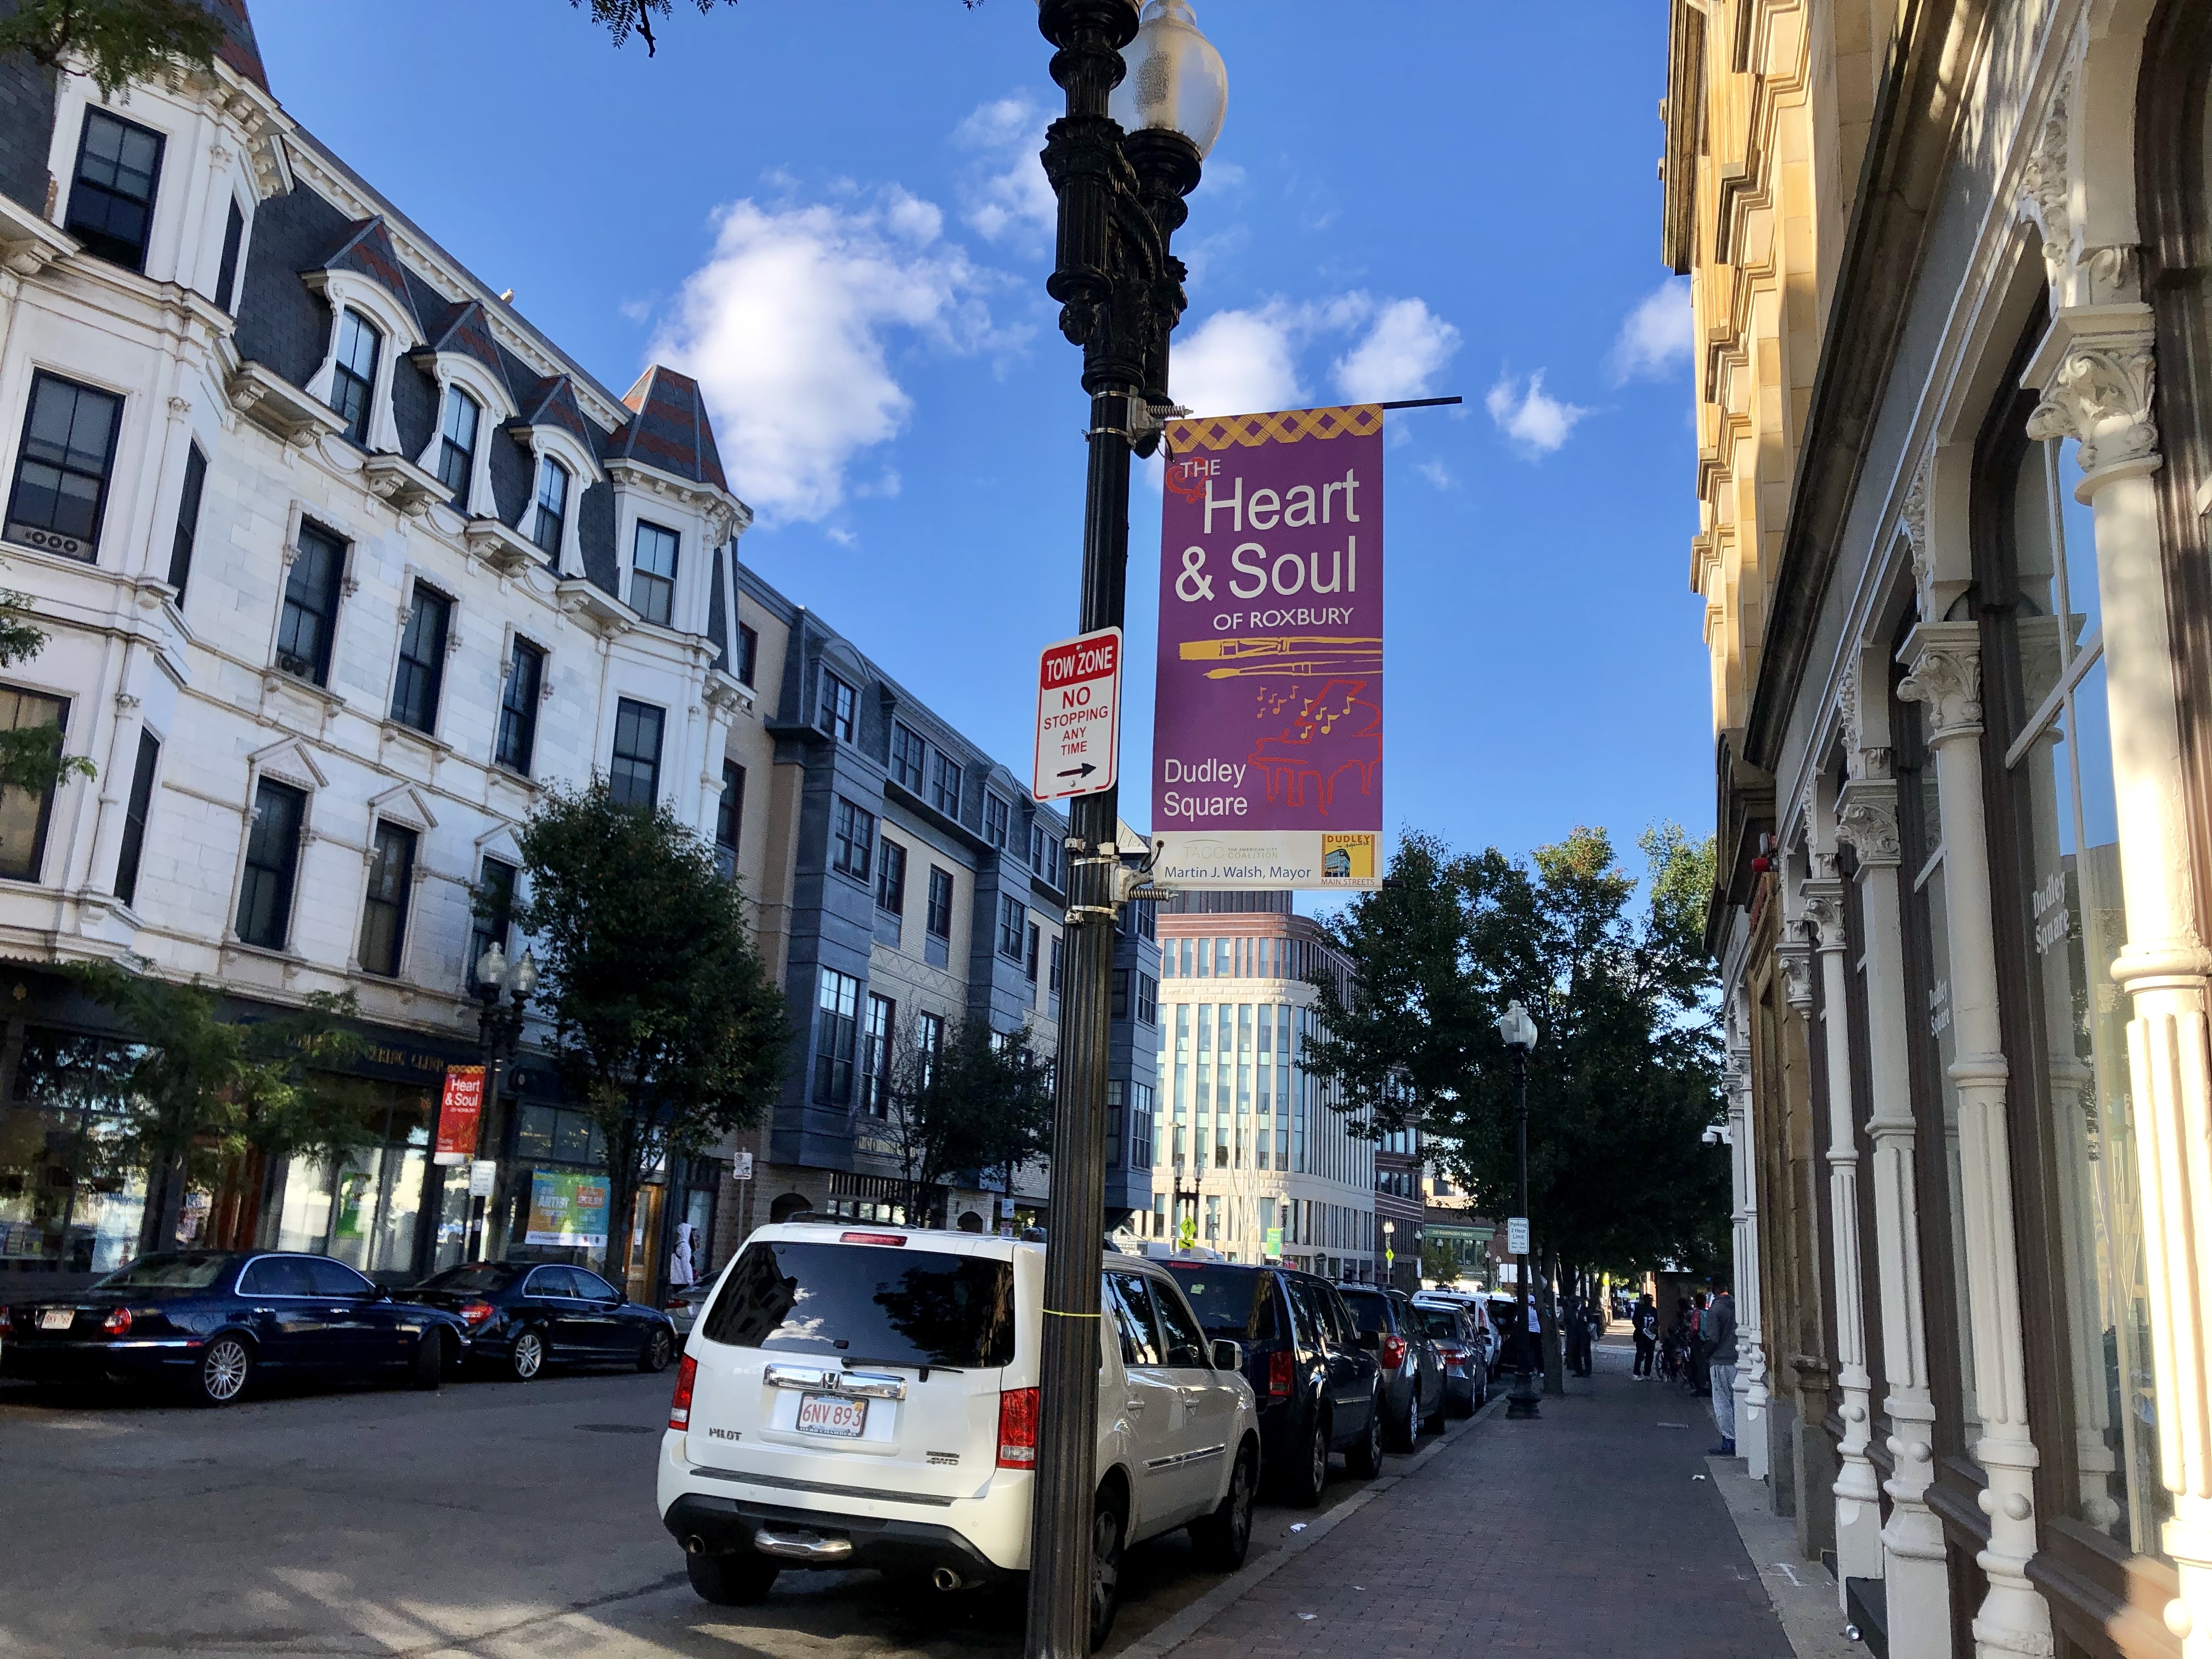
1078	737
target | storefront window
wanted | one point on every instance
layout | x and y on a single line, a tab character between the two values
2071	922
366	1210
72	1195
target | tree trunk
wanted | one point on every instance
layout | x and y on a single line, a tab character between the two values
165	1203
1555	1365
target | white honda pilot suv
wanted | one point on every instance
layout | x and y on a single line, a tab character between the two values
857	1395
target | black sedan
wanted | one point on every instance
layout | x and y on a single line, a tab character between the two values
522	1316
212	1319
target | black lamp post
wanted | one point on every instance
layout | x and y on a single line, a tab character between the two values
1120	175
501	989
1519	1033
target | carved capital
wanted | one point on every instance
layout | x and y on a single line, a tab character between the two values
1913	520
1823	904
2042	183
1946	676
1866	819
2101	398
1797	965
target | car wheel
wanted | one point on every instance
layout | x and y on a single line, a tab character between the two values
224	1371
731	1581
429	1371
1222	1537
1302	1483
1404	1431
527	1357
659	1348
1364	1457
1105	1570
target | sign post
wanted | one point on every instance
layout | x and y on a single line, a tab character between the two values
1078	730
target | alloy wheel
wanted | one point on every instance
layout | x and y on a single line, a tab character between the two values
1105	1573
223	1372
529	1358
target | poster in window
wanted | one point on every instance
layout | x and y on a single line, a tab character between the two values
567	1207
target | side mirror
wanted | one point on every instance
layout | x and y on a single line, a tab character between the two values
381	1293
1228	1355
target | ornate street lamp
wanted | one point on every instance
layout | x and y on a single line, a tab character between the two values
1145	102
501	991
1518	1032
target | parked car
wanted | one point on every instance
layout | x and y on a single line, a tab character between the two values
1413	1371
867	1397
683	1307
522	1317
1478	1310
1318	1389
213	1320
1460	1346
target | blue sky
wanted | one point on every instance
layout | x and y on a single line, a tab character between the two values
832	213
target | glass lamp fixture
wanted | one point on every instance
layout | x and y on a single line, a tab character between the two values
491	966
1516	1030
1175	77
525	975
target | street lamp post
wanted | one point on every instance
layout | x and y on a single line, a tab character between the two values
1519	1033
1120	162
501	990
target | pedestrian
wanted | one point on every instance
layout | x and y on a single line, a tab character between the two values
1585	1334
1645	1323
1701	1347
1721	1358
1576	1323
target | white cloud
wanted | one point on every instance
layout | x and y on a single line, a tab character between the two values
1538	422
1655	338
1006	194
1237	363
1401	356
1436	472
788	328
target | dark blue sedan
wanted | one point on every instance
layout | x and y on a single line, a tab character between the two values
214	1319
523	1316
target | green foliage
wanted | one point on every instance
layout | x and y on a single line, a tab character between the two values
31	756
984	1102
1440	1261
120	40
1624	1082
622	18
667	1026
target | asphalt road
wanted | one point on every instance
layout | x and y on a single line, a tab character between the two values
489	1519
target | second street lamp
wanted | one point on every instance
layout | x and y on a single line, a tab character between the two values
1121	190
1518	1032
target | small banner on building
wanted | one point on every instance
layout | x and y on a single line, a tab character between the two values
567	1207
460	1114
1267	726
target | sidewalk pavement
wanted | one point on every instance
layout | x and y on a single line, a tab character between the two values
1594	1530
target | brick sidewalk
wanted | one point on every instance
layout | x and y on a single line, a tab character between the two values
1582	1533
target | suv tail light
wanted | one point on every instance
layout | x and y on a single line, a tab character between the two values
118	1322
1391	1352
474	1314
679	1408
1280	1365
872	1238
1017	1429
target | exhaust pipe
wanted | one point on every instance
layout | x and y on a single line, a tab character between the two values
945	1579
694	1545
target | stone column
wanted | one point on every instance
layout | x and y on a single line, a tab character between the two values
1946	676
1917	1586
1812	1467
1858	1492
1750	1358
2095	370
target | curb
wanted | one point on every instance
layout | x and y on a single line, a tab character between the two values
1172	1633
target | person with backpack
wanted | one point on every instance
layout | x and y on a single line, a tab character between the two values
1643	1322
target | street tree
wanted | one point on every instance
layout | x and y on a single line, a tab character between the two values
974	1101
1625	1083
666	1026
196	1090
115	41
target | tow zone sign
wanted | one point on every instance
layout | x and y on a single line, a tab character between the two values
1079	733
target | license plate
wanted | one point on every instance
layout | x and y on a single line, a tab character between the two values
56	1319
832	1414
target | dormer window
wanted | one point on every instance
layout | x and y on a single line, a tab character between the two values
552	505
653	574
226	275
353	377
457	444
111	208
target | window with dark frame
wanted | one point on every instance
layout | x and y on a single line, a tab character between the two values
1148	999
545	527
998	815
1053	984
139	808
456	443
353	376
518	709
853	840
188	519
111	206
226	274
384	913
929	1041
1120	1006
836	1016
24	813
939	921
310	605
272	864
634	776
421	670
839	708
1012	918
876	1072
944	785
748	653
908	754
891	878
1029	955
730	816
493	915
653	572
61	470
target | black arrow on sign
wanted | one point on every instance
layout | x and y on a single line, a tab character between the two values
1082	771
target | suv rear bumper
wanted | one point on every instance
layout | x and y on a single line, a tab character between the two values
725	1526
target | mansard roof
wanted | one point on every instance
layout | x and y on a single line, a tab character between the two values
461	328
669	428
365	246
552	402
239	49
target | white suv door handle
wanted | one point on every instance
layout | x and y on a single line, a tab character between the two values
1134	1403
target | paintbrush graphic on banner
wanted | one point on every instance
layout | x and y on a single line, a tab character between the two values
1291	654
